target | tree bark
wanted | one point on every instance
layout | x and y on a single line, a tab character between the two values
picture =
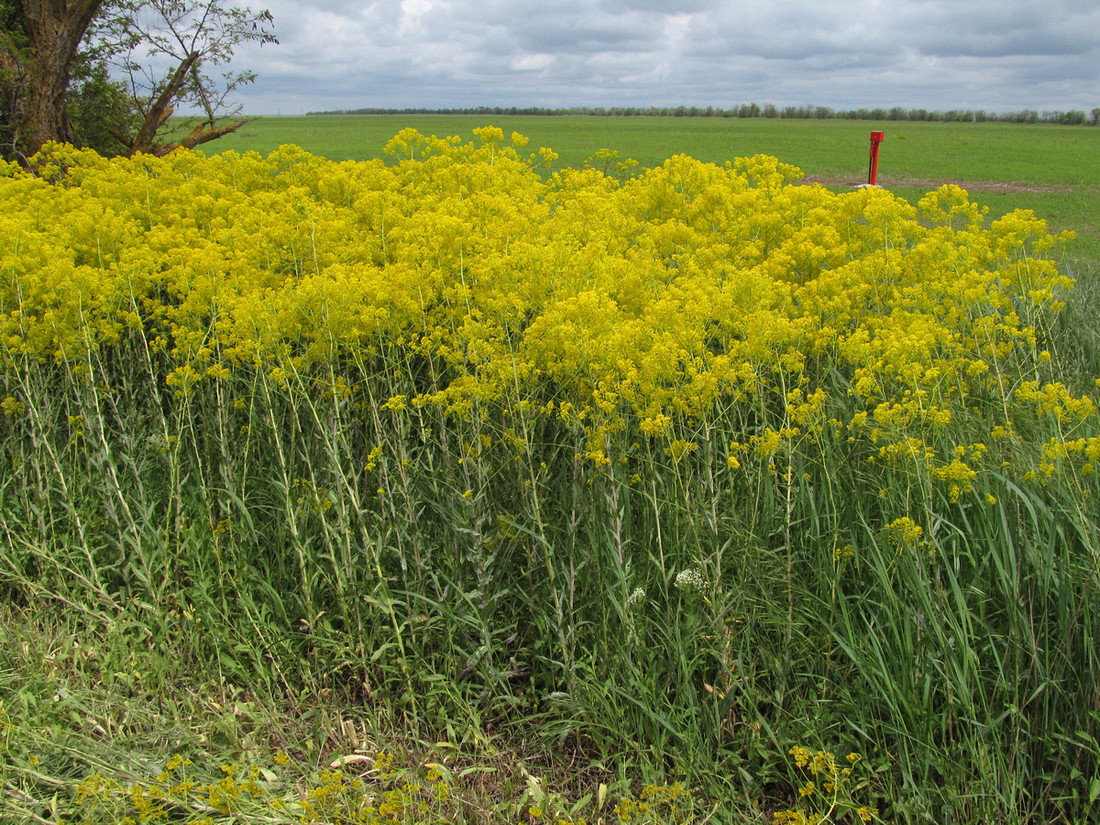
207	131
54	29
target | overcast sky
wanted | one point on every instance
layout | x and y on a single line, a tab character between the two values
999	55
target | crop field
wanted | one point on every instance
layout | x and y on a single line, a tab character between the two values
464	481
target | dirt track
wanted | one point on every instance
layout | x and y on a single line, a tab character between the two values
969	186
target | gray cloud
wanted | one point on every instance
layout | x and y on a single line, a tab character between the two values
936	54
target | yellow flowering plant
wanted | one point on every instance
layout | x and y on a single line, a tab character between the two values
461	405
829	790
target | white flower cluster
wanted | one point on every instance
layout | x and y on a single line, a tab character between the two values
634	598
690	580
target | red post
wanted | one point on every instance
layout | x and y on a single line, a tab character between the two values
872	171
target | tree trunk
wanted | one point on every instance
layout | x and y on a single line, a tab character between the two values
54	31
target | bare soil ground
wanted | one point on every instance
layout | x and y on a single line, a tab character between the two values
969	186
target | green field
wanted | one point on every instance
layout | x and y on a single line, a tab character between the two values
1053	170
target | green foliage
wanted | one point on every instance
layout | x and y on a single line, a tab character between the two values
100	110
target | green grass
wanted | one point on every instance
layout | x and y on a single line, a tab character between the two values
946	151
1055	169
91	711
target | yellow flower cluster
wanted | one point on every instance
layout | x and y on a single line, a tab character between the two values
480	276
834	793
394	794
660	803
904	532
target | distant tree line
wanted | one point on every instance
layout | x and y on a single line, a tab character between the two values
1074	117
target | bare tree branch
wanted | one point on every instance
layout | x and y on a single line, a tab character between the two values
161	108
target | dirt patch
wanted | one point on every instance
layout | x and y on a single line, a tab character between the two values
929	185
